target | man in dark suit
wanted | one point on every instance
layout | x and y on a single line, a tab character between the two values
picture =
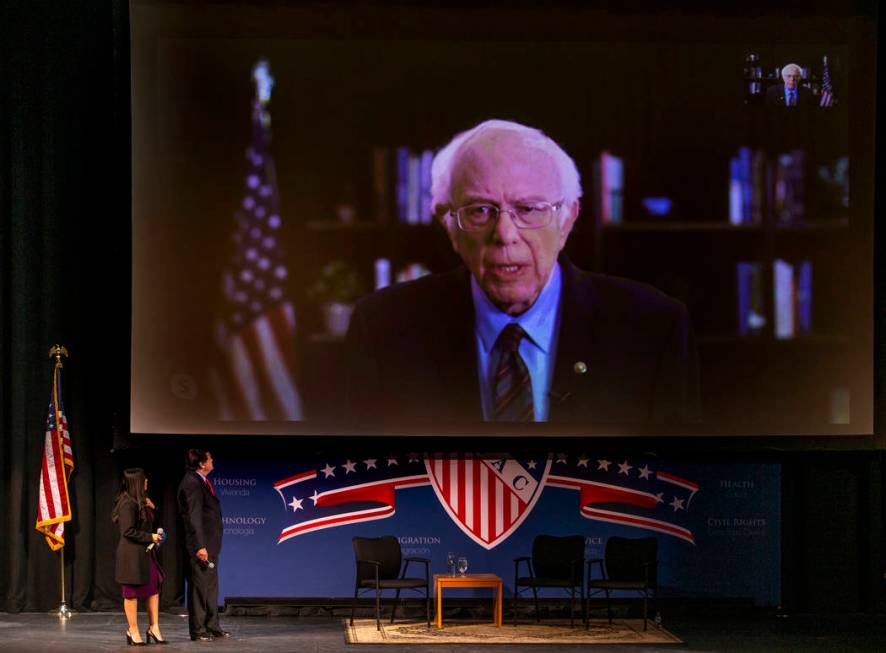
201	516
519	333
791	93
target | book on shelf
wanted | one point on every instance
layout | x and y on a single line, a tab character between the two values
381	184
751	306
792	298
426	211
757	184
382	268
608	173
412	185
413	189
788	198
804	297
747	186
758	180
402	183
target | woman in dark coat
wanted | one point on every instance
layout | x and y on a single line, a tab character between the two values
137	569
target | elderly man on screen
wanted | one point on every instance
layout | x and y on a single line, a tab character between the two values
791	93
518	333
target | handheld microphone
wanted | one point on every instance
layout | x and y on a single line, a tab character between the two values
162	535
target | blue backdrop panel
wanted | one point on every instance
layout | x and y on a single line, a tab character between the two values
289	523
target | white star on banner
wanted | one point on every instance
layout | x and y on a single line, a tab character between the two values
314	496
583	461
677	504
413	458
329	470
370	463
603	464
296	504
561	458
350	467
624	468
644	472
392	461
532	464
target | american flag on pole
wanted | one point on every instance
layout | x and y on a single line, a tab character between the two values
488	497
255	380
827	91
54	506
626	493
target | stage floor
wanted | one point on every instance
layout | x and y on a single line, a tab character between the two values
103	631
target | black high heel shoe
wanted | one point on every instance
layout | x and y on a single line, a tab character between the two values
149	635
131	642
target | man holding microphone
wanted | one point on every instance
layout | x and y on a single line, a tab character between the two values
201	515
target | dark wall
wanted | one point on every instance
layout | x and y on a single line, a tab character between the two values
65	277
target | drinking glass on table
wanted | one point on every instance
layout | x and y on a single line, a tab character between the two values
450	563
462	565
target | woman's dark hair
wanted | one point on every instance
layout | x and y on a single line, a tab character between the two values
195	457
132	488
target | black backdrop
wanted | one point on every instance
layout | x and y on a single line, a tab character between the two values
65	278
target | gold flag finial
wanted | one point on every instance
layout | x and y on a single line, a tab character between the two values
58	351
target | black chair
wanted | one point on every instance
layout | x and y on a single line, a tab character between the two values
555	562
378	568
630	564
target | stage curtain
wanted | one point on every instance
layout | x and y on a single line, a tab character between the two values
64	278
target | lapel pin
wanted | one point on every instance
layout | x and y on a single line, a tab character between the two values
580	367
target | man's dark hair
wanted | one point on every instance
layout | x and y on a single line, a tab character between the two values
195	457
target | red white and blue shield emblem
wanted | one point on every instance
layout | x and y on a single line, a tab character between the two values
487	496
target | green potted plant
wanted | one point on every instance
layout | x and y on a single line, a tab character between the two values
336	290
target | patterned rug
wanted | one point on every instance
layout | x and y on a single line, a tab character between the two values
622	631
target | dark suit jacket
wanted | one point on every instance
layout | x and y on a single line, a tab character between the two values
775	96
132	566
412	354
201	515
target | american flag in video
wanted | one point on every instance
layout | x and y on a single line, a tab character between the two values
621	491
256	331
344	491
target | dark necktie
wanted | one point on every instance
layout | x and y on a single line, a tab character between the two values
209	485
511	385
792	99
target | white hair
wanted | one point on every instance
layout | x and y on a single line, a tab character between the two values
447	158
791	67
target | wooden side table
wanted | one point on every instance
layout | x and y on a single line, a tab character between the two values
468	581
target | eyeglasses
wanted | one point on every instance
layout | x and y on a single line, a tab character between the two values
526	215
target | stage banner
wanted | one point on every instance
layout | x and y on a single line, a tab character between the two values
289	523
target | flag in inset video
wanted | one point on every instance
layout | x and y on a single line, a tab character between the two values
254	379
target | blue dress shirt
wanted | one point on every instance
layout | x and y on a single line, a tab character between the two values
538	349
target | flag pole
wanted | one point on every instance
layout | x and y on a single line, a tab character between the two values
63	612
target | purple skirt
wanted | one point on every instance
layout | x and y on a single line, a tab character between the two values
155	580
